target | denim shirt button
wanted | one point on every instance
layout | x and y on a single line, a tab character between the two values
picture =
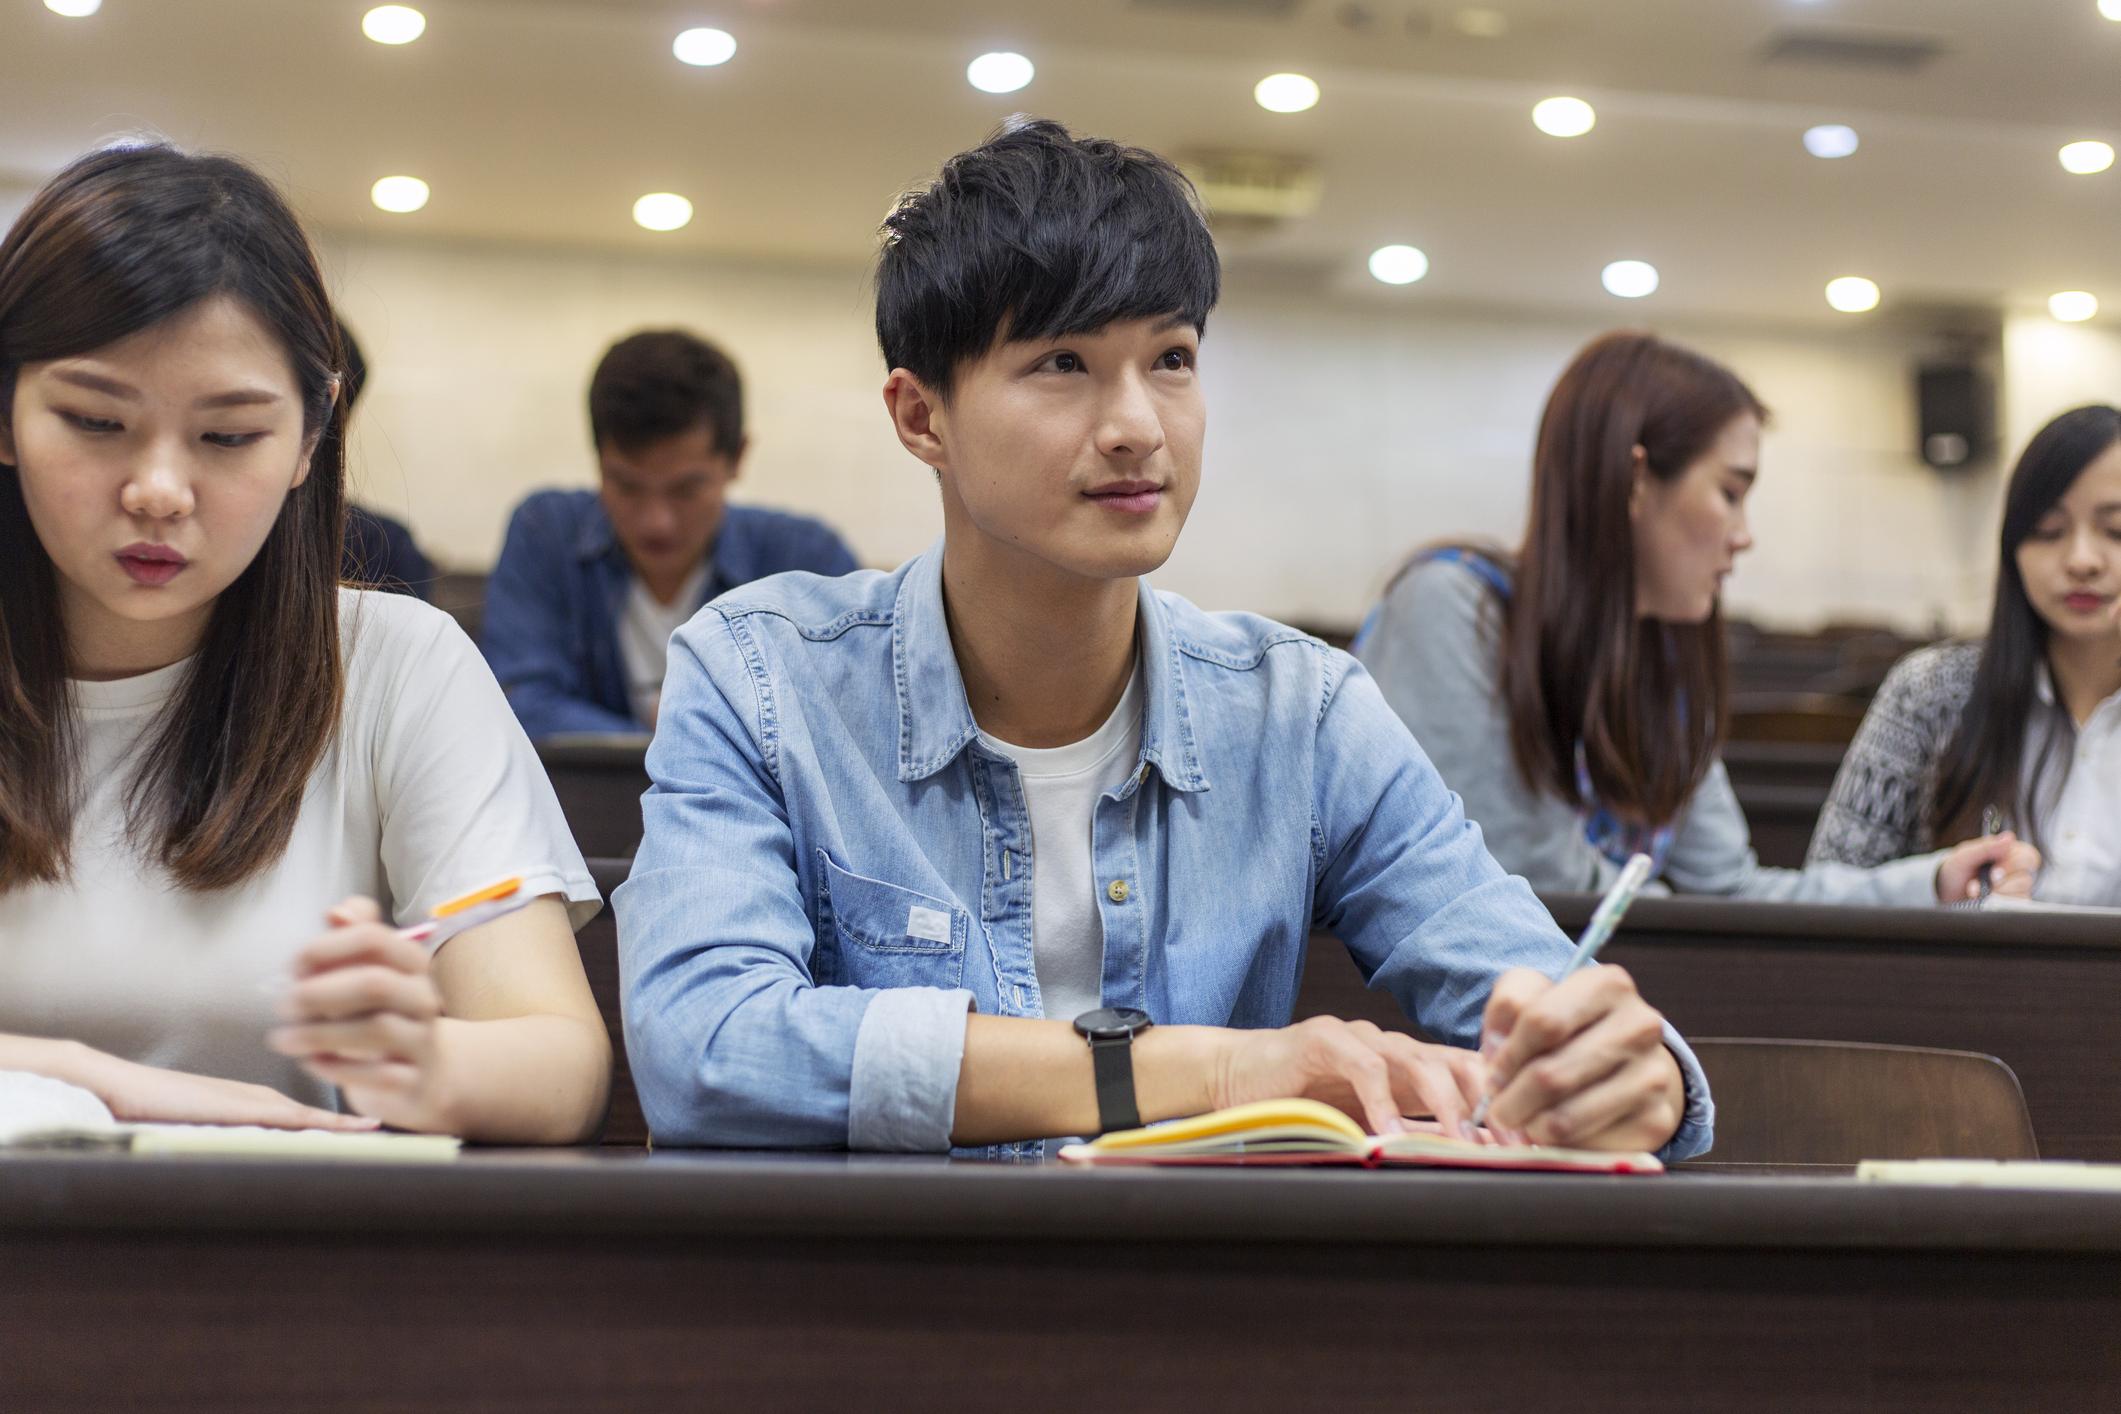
1118	891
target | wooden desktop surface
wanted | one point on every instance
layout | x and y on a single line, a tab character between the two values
586	1281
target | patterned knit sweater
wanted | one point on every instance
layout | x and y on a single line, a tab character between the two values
1879	807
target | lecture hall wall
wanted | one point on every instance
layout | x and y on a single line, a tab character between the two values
1341	433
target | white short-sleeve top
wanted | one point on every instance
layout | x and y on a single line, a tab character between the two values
429	791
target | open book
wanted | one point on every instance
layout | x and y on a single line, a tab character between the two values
37	1112
1308	1132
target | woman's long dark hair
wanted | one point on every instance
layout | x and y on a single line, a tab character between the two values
118	242
1648	700
1984	762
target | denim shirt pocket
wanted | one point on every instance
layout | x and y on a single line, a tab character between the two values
887	936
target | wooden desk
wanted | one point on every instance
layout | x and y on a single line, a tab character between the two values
600	781
573	1282
2041	993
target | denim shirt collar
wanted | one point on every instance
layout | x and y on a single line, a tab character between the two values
733	558
935	720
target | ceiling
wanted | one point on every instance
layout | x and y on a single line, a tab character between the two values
540	121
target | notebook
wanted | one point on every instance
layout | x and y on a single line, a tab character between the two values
1308	1132
40	1113
1992	1173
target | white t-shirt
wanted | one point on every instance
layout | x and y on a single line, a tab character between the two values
644	638
1062	786
2083	864
430	791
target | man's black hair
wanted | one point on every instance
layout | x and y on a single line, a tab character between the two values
1040	234
661	383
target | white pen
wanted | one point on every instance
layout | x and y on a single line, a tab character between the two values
1604	919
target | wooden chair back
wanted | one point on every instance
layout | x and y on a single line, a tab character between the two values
624	1124
1838	1102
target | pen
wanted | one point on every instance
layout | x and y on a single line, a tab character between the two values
1604	919
446	921
1991	823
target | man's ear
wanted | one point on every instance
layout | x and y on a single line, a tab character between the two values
916	415
1638	482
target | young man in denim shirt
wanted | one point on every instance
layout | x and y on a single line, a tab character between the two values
905	827
591	584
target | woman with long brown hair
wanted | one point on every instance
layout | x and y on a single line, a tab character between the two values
212	757
1574	692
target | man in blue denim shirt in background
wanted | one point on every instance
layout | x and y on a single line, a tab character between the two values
591	584
904	827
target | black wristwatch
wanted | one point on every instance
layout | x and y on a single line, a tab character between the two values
1111	1032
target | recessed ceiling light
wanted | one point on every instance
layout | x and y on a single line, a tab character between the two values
1398	264
662	211
1830	140
1481	24
393	24
1000	72
74	9
1852	294
2085	158
1286	93
704	48
2111	9
399	194
1564	117
1630	279
2075	306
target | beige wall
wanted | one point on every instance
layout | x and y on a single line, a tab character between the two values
1340	434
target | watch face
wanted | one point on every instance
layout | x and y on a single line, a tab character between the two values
1111	1023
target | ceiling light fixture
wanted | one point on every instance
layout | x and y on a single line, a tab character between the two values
1852	294
1000	72
1831	141
1629	279
662	211
2075	306
1398	264
401	195
704	48
2111	9
1564	117
74	9
393	24
2083	159
1286	93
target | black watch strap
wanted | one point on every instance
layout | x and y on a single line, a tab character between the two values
1113	1059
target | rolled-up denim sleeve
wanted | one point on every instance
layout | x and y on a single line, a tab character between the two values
1406	883
730	1040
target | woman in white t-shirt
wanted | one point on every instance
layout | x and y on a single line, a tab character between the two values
213	759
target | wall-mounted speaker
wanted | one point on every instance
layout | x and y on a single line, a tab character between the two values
1956	404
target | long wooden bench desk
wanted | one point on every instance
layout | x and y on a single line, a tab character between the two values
585	1281
2040	992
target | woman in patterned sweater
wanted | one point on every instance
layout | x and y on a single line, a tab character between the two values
2026	722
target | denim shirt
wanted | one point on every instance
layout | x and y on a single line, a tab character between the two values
835	869
551	633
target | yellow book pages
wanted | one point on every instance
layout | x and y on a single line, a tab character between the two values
1282	1119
